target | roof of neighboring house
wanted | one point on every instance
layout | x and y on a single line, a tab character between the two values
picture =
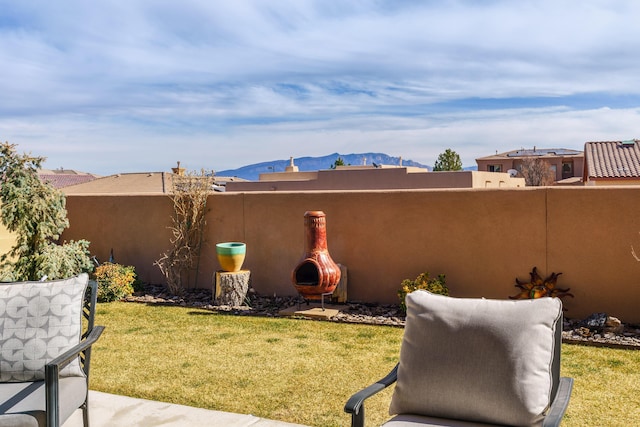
535	152
136	183
60	178
60	181
612	159
125	183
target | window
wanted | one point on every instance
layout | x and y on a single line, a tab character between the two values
494	168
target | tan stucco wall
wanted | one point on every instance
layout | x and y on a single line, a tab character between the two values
612	181
7	240
516	163
481	239
369	178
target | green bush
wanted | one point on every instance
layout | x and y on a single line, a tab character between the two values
423	281
35	212
62	261
115	281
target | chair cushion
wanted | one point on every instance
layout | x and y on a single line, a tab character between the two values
422	421
39	321
23	404
479	360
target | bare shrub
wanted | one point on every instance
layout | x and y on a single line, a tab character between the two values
536	172
189	194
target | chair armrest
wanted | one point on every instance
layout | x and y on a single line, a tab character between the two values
65	358
355	404
52	370
559	404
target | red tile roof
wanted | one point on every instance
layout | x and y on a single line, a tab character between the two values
612	159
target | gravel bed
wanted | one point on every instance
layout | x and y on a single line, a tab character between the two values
579	331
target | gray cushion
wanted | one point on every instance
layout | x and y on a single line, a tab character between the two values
480	360
18	420
23	404
39	321
422	421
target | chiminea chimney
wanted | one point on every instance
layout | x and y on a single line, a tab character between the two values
178	170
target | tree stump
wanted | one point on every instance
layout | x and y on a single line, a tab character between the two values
340	293
231	287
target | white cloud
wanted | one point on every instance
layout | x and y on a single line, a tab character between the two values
84	83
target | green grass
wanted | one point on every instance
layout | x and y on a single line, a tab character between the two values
303	371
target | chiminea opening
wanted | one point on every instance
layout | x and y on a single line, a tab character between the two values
316	274
307	274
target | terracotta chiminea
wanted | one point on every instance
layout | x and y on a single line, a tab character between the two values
316	274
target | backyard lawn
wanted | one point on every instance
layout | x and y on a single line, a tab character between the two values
303	371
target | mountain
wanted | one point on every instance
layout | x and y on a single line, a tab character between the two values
305	164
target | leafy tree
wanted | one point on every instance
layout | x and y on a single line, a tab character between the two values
339	162
35	212
448	161
536	172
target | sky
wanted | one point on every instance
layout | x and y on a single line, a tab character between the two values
135	86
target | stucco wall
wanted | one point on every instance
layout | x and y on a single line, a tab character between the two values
516	163
481	239
612	181
7	240
370	178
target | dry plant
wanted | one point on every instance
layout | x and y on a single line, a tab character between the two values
189	194
536	172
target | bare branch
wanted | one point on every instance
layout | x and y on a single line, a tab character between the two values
190	193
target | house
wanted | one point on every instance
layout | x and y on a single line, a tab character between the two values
373	177
60	178
138	183
612	163
125	183
567	165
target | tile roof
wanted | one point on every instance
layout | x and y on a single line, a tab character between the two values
613	159
65	180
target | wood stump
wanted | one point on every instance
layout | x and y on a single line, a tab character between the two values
231	288
340	293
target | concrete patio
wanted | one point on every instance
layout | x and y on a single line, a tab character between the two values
110	410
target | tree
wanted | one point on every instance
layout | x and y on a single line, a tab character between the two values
339	162
536	172
35	212
448	161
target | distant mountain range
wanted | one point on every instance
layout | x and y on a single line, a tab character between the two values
305	164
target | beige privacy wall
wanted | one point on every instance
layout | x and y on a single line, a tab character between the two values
481	239
7	240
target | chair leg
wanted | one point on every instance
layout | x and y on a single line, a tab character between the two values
85	413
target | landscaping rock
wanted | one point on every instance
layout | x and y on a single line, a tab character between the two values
613	325
595	322
598	329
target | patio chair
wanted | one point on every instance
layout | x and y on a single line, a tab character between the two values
47	329
475	362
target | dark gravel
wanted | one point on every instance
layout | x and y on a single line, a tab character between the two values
581	331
